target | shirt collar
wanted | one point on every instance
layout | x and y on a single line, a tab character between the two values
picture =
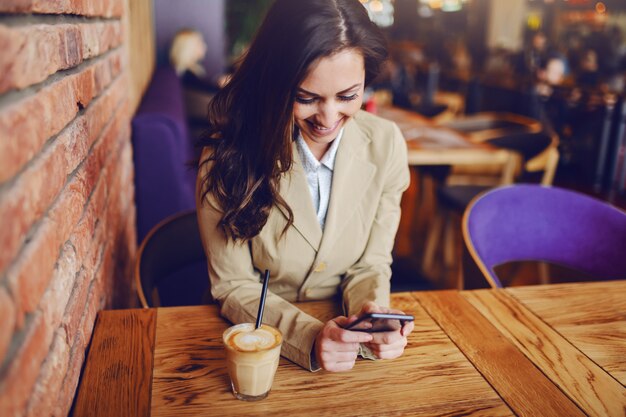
310	162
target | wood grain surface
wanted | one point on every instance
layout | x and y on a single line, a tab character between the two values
594	390
524	388
591	316
432	378
117	377
555	350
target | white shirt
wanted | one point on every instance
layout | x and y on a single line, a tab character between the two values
319	174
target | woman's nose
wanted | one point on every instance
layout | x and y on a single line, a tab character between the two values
328	114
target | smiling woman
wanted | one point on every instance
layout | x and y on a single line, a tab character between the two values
296	179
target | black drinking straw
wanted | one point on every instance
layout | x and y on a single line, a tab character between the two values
259	315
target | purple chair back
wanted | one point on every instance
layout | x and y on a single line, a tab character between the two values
537	223
162	148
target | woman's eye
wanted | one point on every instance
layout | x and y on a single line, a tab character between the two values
303	100
348	98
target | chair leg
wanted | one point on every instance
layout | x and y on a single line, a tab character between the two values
432	242
453	252
448	251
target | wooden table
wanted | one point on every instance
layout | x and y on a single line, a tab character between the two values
557	350
434	145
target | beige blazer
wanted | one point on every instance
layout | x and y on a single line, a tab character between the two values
351	257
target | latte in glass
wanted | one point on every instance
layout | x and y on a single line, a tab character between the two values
252	356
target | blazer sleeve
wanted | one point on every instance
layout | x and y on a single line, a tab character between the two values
369	279
236	285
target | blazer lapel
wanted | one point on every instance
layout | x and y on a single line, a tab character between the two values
351	178
294	189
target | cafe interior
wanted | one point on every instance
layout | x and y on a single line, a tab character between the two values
510	254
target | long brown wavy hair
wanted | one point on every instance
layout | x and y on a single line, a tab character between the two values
251	119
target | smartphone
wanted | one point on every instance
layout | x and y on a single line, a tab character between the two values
379	322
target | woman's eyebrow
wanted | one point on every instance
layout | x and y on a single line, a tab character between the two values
302	90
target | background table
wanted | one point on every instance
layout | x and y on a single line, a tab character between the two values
531	351
431	145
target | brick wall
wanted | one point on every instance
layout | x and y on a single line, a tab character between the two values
67	215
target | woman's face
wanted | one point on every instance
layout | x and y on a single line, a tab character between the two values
331	93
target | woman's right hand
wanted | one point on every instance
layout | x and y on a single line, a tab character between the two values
336	348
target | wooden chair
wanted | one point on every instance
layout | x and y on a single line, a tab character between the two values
171	267
539	150
547	224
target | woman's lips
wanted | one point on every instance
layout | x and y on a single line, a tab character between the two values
321	130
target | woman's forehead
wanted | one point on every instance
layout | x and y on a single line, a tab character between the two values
335	73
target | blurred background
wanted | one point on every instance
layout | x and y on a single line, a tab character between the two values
561	63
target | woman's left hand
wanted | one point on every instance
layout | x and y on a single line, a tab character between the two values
387	345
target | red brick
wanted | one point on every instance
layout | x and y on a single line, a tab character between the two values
30	196
55	106
56	297
23	369
77	306
7	323
49	383
110	8
30	274
70	382
89	240
95	303
39	51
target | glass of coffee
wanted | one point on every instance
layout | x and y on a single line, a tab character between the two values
252	356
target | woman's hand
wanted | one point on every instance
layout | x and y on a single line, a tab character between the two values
336	348
387	345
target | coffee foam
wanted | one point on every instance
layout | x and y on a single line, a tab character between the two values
249	339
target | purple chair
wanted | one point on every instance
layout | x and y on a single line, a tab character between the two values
162	149
549	224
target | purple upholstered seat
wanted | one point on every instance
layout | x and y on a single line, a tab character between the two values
538	223
162	148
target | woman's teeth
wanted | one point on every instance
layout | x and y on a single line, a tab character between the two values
321	128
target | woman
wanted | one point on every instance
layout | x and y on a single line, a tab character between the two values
296	179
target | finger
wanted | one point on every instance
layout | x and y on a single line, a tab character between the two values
338	334
339	366
400	344
329	357
371	307
342	321
392	354
328	345
386	338
407	328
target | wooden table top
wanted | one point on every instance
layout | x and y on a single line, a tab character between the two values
557	350
435	145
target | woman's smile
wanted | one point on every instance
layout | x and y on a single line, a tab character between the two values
322	130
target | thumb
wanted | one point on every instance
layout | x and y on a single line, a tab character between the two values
342	321
370	307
